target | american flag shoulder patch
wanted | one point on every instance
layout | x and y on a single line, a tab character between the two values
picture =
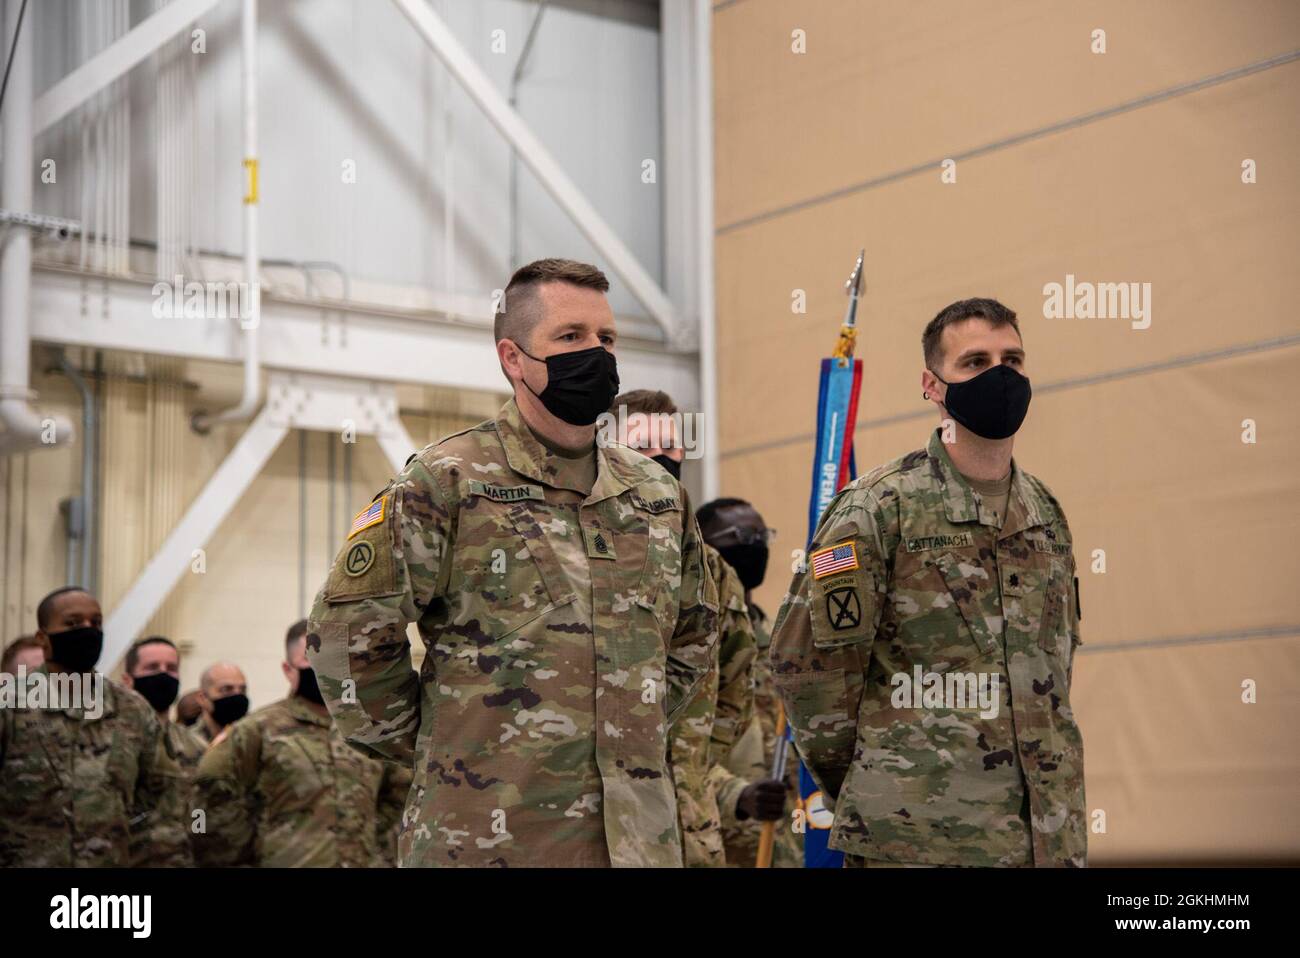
368	517
837	558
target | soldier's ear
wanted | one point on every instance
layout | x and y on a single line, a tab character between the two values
508	355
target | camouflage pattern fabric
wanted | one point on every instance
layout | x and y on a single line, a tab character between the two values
750	760
706	728
70	784
156	842
281	789
563	634
926	582
737	658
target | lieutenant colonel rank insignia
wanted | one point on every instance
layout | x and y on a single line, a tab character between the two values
840	558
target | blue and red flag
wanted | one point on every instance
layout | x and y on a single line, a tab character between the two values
833	469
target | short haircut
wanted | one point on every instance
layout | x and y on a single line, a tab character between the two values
206	681
45	611
709	511
296	632
647	401
133	653
521	307
17	645
963	309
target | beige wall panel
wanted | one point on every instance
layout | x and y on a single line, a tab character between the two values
1153	196
1183	769
886	85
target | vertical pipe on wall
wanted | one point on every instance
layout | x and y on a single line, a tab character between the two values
329	511
347	486
81	573
302	522
252	289
703	76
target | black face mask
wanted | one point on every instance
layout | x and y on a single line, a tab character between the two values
230	709
77	650
159	690
991	405
673	467
308	687
579	385
189	721
749	561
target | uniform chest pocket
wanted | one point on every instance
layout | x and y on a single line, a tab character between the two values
119	752
294	770
943	611
506	560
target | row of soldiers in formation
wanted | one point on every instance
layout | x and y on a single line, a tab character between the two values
597	687
280	787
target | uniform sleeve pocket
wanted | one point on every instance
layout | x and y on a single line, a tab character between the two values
815	699
1054	635
366	566
845	609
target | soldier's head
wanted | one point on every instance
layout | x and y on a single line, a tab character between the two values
27	651
189	708
297	667
69	620
738	532
975	368
153	668
647	422
555	340
223	695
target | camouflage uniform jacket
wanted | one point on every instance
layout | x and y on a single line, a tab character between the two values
705	730
155	842
750	760
281	789
923	582
70	784
563	633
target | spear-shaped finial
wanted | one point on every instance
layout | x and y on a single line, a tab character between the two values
847	342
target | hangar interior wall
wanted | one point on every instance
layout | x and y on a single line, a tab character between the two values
261	570
1138	431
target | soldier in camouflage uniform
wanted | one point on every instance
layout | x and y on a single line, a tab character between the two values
705	730
561	593
223	699
72	778
152	669
281	789
747	795
954	566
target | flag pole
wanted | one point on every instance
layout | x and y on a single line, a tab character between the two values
837	411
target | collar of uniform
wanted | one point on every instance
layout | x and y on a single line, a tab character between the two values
525	453
959	503
1023	505
958	497
303	712
110	692
615	472
528	457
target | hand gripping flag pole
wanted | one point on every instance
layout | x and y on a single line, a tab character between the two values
833	468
